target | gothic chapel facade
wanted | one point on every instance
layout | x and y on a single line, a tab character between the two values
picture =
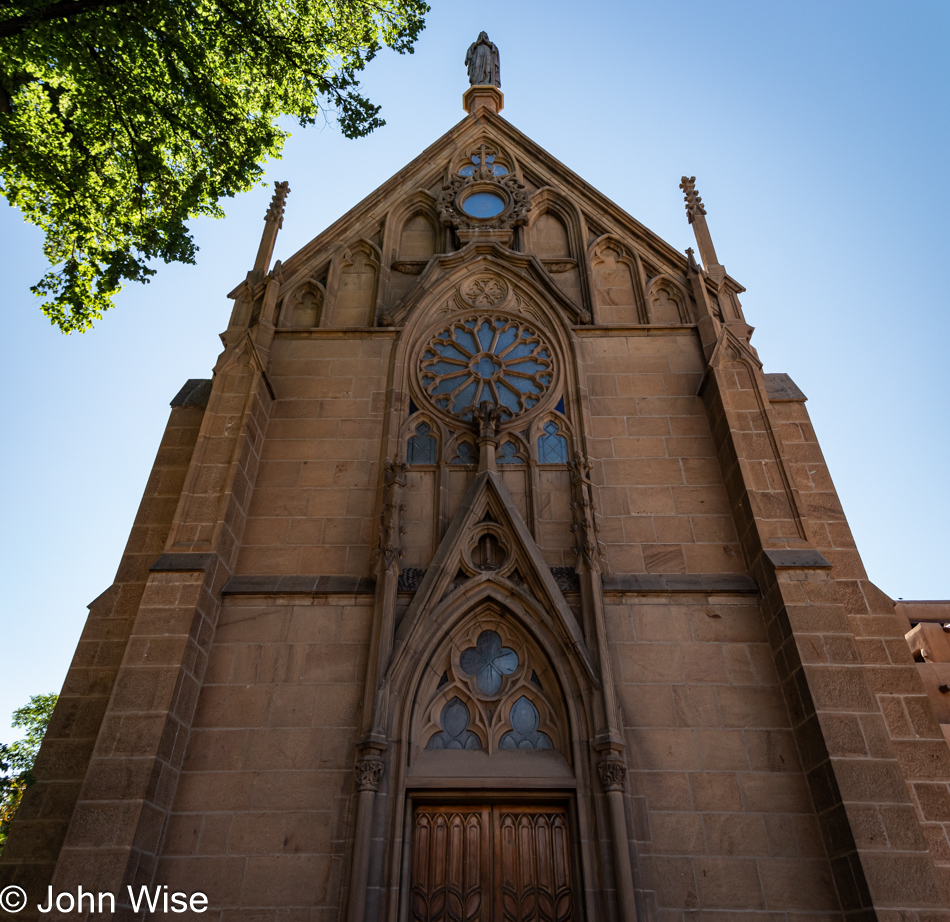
489	578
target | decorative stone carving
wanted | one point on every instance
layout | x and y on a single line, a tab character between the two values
369	772
484	292
694	204
584	527
612	773
275	211
555	266
484	197
410	266
483	63
486	358
390	531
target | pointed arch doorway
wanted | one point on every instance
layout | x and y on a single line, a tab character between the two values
505	861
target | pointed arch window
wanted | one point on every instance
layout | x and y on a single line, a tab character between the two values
524	732
465	454
508	454
455	734
552	446
422	447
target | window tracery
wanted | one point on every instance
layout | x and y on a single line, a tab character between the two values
508	454
422	447
552	446
488	695
465	454
524	733
455	734
486	358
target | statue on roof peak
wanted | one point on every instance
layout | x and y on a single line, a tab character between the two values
482	62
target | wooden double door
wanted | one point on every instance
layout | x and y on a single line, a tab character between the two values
491	863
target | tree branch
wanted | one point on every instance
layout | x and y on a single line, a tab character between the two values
63	9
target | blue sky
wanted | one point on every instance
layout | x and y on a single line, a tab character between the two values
818	133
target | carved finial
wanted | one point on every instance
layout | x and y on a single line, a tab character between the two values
273	221
694	204
275	211
691	263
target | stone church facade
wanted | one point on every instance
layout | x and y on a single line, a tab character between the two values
490	578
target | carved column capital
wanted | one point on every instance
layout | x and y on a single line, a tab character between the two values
612	774
369	773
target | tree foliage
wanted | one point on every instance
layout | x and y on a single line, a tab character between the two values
17	759
121	120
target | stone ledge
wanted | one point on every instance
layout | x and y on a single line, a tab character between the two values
298	585
187	561
794	559
680	582
780	387
194	393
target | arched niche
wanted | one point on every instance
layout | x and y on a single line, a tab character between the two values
417	241
667	301
617	284
357	275
423	440
303	307
554	235
549	238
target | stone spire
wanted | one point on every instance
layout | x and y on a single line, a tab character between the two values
273	221
696	215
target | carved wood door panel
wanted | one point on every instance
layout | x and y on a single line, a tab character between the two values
491	864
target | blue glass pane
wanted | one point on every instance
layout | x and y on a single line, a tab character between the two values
524	733
527	366
455	734
464	397
499	170
505	339
486	367
422	447
488	661
552	447
447	385
508	397
451	351
466	171
486	335
465	455
446	368
467	341
483	205
509	454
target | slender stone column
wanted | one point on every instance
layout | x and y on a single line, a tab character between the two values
612	773
369	772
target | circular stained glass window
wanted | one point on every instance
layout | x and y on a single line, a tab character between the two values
483	205
486	358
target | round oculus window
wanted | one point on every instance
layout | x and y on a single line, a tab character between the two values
483	205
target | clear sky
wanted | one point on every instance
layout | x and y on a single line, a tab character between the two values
818	133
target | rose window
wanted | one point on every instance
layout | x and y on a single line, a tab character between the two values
495	359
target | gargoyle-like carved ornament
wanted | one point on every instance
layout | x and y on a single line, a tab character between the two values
612	773
369	772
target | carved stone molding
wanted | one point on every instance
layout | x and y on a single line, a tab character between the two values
369	772
612	774
559	265
694	203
